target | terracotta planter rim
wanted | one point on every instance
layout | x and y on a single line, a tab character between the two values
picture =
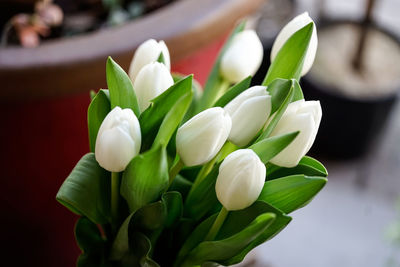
114	40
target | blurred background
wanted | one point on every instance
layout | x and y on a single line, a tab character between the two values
52	53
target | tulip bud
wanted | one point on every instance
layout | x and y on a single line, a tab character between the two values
293	26
152	80
118	140
243	56
201	137
303	116
249	112
240	180
146	53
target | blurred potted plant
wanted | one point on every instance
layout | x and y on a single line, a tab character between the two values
356	76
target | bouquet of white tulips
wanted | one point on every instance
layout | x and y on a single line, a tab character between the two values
179	176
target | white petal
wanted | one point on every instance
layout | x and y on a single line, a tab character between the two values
152	80
201	138
292	154
234	104
114	149
146	53
240	180
249	118
243	57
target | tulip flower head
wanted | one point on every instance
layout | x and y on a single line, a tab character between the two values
146	53
293	26
240	180
201	137
243	56
152	80
249	112
303	116
118	140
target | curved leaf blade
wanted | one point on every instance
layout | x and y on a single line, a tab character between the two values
224	249
235	222
97	111
268	148
307	166
120	87
233	92
288	63
151	119
145	178
291	192
172	120
86	190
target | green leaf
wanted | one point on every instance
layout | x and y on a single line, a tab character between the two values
174	204
140	248
225	249
203	198
214	80
288	63
279	90
159	214
86	191
278	114
161	58
88	236
172	120
148	218
233	92
307	166
241	218
291	192
268	148
145	178
235	222
182	185
98	110
120	87
151	119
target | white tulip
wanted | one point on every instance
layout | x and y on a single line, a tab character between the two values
243	56
240	180
146	53
293	26
303	116
152	80
249	112
202	137
118	140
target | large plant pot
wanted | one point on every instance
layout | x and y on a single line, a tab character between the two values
352	119
44	99
76	64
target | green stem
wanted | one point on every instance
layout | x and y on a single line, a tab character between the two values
204	171
114	200
209	165
219	221
223	87
175	170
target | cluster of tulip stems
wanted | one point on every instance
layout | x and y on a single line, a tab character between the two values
181	177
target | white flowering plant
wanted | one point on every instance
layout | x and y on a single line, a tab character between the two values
179	176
